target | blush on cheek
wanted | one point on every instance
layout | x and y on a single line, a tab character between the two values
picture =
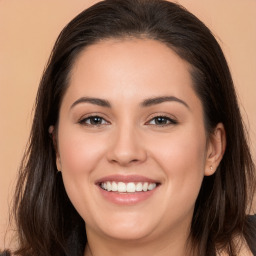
79	152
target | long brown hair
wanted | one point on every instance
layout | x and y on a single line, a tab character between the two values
47	222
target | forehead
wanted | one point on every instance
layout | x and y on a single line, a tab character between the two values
145	54
126	62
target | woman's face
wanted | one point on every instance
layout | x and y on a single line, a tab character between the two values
132	145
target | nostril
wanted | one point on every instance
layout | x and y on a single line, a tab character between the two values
125	161
126	149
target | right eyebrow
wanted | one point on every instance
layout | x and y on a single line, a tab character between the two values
95	101
159	100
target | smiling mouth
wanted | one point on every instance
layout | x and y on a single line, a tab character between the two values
127	190
129	187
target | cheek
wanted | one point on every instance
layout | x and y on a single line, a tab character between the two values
182	150
182	158
79	152
79	156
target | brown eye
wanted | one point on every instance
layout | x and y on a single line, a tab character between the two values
162	121
93	120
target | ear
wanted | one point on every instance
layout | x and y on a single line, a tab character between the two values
55	144
216	149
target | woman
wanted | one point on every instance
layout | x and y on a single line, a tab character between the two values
137	145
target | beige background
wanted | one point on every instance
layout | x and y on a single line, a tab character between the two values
28	29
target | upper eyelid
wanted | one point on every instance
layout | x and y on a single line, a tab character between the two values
167	117
159	114
171	120
86	116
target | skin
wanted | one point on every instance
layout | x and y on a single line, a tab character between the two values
128	141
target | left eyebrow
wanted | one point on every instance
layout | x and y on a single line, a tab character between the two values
95	101
158	100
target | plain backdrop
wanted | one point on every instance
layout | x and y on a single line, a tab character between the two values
28	29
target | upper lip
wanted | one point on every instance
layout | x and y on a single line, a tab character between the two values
126	179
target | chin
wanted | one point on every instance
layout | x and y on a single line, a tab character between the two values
128	234
126	227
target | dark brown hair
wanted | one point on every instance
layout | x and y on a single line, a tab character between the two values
46	220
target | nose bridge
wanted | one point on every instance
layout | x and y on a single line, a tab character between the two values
127	146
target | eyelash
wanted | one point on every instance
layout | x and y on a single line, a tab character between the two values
90	118
170	121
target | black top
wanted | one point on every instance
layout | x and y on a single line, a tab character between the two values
5	253
251	242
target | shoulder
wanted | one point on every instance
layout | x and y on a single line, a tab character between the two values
242	250
5	253
251	233
252	219
246	245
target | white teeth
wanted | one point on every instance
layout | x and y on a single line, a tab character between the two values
145	186
130	187
114	186
109	186
121	187
139	187
151	186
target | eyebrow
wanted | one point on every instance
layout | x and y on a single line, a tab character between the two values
95	101
146	103
159	100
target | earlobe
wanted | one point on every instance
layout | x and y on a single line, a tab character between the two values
58	163
216	149
55	145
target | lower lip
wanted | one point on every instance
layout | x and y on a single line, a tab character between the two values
127	198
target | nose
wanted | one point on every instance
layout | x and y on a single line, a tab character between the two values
126	147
